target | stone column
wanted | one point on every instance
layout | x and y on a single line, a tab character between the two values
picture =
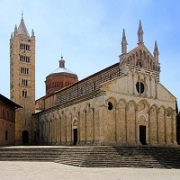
136	125
116	117
44	131
57	131
126	122
65	128
52	131
157	133
165	130
48	133
150	125
82	126
156	92
85	126
69	129
174	128
150	87
158	141
93	125
54	128
133	84
40	132
79	130
60	124
62	129
145	93
101	123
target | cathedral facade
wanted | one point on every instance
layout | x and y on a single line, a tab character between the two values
124	104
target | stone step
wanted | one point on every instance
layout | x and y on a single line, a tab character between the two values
98	156
29	159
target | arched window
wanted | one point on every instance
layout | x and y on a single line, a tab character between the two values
24	93
140	87
110	106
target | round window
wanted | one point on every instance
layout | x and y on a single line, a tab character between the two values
110	106
140	87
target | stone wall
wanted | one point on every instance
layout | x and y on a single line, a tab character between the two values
22	83
7	125
114	116
82	88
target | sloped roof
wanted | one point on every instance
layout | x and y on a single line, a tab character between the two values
9	102
22	28
61	70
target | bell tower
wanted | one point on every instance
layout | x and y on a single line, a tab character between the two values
22	81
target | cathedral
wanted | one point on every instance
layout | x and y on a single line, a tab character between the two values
123	104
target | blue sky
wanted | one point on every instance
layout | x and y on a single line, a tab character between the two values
88	34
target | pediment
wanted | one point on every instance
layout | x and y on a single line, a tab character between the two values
140	57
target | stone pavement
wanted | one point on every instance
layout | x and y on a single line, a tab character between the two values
10	170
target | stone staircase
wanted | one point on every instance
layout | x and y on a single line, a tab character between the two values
29	153
97	156
120	157
107	156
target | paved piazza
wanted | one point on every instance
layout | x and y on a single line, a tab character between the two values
10	170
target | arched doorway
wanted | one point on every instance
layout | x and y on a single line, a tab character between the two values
75	132
75	135
142	134
25	137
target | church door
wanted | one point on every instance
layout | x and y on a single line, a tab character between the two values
75	134
142	134
25	137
